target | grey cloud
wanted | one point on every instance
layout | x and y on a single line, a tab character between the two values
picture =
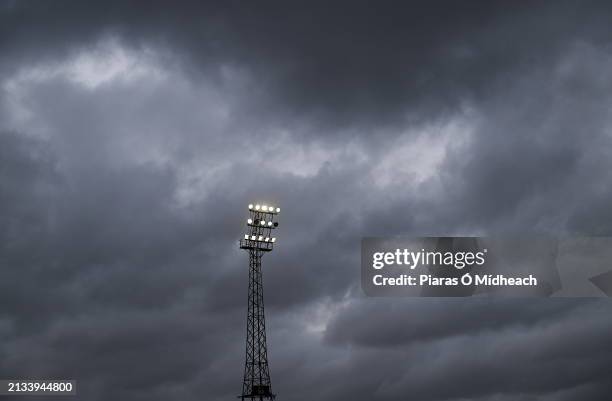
121	202
533	357
361	63
391	323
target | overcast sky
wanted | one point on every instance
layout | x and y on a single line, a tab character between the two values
133	135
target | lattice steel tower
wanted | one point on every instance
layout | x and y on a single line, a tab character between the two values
259	240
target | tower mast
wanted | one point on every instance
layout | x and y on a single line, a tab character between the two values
256	384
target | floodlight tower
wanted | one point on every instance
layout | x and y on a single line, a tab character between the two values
259	240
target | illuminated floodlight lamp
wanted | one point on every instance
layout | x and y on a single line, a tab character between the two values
258	238
278	210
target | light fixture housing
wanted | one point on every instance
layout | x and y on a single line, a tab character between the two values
260	223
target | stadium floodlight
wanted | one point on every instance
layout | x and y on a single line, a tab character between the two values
257	241
278	210
260	222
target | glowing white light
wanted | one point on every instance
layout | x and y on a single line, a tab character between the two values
250	221
269	223
257	207
264	208
278	210
246	236
263	223
250	206
253	237
273	239
267	239
260	238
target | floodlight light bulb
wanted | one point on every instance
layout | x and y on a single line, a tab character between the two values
278	210
267	239
250	221
253	237
246	236
250	206
263	223
269	223
260	238
257	207
264	208
273	239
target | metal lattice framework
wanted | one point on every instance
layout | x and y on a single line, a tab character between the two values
261	223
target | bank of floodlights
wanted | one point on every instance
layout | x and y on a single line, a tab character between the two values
264	208
260	224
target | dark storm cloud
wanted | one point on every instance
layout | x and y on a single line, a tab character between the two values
433	320
132	134
94	275
534	359
344	62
